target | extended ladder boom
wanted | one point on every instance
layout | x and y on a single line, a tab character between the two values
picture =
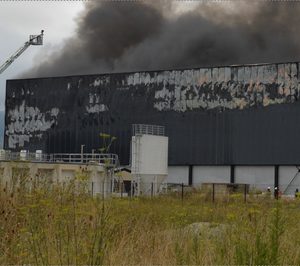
33	40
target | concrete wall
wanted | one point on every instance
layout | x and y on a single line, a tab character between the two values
14	173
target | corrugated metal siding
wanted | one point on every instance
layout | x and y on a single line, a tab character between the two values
227	115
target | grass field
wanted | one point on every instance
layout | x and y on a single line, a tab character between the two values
62	227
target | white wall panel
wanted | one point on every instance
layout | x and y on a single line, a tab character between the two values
261	177
211	174
289	174
178	174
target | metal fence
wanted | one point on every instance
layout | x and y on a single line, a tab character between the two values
182	192
215	193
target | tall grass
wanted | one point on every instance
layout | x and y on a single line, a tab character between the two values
64	225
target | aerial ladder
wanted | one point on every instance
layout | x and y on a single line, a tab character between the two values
33	40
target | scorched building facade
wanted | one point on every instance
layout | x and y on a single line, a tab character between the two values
225	124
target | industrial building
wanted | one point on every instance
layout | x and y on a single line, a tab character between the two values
233	124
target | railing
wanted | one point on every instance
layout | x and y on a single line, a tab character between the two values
108	159
148	129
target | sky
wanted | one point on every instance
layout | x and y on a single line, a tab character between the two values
19	19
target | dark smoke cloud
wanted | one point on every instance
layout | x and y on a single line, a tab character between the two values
130	36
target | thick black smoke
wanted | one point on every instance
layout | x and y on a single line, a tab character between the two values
130	36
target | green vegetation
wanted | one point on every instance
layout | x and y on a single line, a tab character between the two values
65	225
107	141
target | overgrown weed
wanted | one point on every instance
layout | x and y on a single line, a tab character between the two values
65	225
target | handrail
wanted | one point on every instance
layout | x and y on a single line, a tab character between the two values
108	159
148	129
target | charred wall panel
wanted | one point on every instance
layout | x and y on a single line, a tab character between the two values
224	115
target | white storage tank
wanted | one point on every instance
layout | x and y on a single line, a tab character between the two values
149	158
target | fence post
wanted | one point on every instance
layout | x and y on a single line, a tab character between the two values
111	184
182	187
92	189
245	193
152	190
276	192
122	189
213	192
103	190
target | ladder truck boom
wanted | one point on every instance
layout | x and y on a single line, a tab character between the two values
33	40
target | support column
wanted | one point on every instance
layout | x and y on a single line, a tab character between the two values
232	174
190	175
276	176
276	180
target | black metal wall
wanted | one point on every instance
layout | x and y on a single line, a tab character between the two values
229	115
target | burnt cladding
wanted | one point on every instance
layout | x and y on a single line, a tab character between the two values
243	115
